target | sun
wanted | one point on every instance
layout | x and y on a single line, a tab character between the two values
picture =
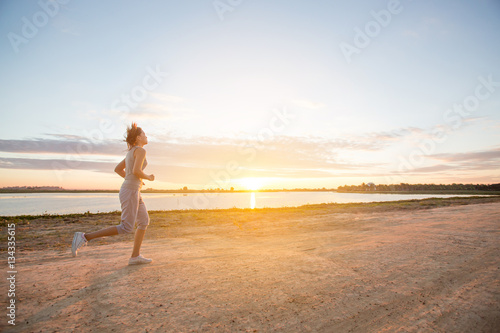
251	183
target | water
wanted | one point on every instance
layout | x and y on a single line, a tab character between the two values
68	203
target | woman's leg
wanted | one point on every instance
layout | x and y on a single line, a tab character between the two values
139	236
142	224
130	202
80	239
111	231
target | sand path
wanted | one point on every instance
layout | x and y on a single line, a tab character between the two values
434	270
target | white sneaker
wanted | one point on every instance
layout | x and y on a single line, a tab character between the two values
139	260
79	240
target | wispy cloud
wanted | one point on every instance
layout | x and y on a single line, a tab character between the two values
167	98
145	114
428	27
195	158
469	161
159	107
475	156
72	145
54	164
282	157
307	104
410	33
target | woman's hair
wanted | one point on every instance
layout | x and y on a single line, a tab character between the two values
132	133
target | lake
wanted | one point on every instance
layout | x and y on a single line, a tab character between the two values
68	203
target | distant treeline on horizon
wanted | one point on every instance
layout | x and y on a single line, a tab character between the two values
368	187
402	187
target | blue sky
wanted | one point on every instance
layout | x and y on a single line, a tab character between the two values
251	92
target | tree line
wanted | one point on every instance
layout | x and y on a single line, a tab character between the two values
404	187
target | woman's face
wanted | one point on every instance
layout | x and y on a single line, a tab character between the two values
142	139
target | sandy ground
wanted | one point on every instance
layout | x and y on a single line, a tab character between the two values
434	270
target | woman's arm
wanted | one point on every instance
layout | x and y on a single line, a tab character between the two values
120	168
140	156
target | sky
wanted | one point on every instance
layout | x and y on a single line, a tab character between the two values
250	93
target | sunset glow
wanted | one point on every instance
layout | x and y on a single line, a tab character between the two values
252	184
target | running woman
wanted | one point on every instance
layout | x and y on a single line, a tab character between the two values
133	208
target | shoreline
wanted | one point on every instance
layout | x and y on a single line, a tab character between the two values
331	205
57	229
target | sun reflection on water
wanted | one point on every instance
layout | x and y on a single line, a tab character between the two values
252	200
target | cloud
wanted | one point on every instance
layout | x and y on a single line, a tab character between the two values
145	114
198	159
281	152
159	108
297	151
428	27
66	136
55	164
72	145
306	104
374	141
470	161
193	158
410	33
167	98
470	157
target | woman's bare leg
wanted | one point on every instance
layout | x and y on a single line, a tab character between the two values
139	236
111	231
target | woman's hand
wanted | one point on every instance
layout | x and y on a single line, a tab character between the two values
151	177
